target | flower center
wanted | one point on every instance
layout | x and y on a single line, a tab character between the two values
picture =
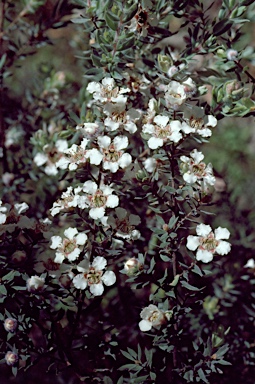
208	243
196	122
93	276
162	132
154	316
111	154
68	246
98	200
198	169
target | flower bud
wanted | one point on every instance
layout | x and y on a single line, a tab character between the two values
35	284
19	256
11	358
132	266
231	54
164	62
172	71
10	324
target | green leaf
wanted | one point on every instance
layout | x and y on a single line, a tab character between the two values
148	354
190	287
3	290
175	281
202	375
130	13
128	356
120	381
224	362
107	380
112	21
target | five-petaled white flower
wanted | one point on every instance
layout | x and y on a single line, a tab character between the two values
113	156
175	95
207	243
78	154
107	92
162	131
69	247
200	125
118	117
92	275
194	170
70	198
50	156
98	199
153	317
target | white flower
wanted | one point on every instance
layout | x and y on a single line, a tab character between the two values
51	155
69	247
207	243
98	199
68	199
3	216
175	95
194	170
78	154
118	117
35	284
113	156
200	125
162	131
107	92
152	317
89	129
93	276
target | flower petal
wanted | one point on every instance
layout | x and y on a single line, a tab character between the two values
97	289
112	201
204	256
79	281
145	325
223	248
99	263
109	278
70	233
203	230
221	233
192	242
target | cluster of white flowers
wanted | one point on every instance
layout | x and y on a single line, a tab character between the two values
104	149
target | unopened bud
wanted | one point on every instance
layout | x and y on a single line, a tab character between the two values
172	71
11	358
132	266
35	284
19	256
164	62
231	54
10	324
